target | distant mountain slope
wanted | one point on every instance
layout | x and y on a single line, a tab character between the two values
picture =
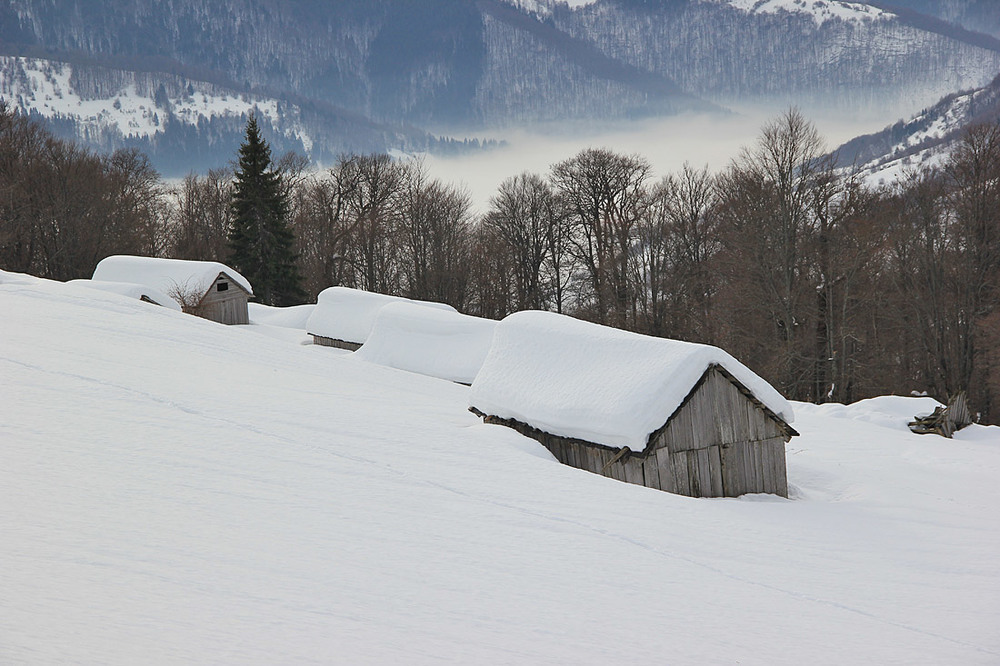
360	76
379	74
421	61
924	139
812	53
182	122
524	55
977	15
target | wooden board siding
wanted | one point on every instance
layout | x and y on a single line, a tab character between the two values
728	442
717	412
719	443
230	311
224	302
333	342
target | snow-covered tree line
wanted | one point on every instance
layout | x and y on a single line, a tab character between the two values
831	289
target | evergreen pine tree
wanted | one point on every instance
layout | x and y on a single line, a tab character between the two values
261	241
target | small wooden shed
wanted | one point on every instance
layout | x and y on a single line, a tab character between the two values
674	416
207	289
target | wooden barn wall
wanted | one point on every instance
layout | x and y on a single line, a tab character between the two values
697	453
697	424
225	307
725	441
333	342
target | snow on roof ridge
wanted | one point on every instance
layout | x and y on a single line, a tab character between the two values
167	275
577	379
429	341
347	314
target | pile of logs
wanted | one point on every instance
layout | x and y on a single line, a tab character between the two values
944	421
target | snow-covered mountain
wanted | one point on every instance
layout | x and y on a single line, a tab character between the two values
977	15
820	11
179	491
850	57
182	122
924	139
377	75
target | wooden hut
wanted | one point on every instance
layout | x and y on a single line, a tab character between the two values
207	289
674	416
344	317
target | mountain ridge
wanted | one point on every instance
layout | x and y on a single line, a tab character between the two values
923	139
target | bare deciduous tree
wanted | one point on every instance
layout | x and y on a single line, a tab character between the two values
524	218
202	217
604	195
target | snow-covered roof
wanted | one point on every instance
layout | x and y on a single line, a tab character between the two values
292	316
576	379
167	275
132	290
348	314
429	341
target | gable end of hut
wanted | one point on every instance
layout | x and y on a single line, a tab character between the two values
225	302
722	441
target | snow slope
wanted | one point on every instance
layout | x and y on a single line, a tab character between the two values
178	491
925	140
132	290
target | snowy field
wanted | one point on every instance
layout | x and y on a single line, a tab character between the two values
177	491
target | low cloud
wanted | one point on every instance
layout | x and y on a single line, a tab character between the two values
701	139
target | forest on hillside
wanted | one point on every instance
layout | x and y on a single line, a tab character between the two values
830	289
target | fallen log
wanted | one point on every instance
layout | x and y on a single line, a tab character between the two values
944	421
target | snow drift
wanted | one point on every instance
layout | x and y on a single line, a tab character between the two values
182	492
132	290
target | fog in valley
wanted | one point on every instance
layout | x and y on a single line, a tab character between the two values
666	142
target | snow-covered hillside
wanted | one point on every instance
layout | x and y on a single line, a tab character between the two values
116	107
183	123
127	107
177	491
923	140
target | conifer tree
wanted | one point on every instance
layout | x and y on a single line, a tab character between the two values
261	241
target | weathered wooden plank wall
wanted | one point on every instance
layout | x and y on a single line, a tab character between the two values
333	342
733	436
229	311
228	306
